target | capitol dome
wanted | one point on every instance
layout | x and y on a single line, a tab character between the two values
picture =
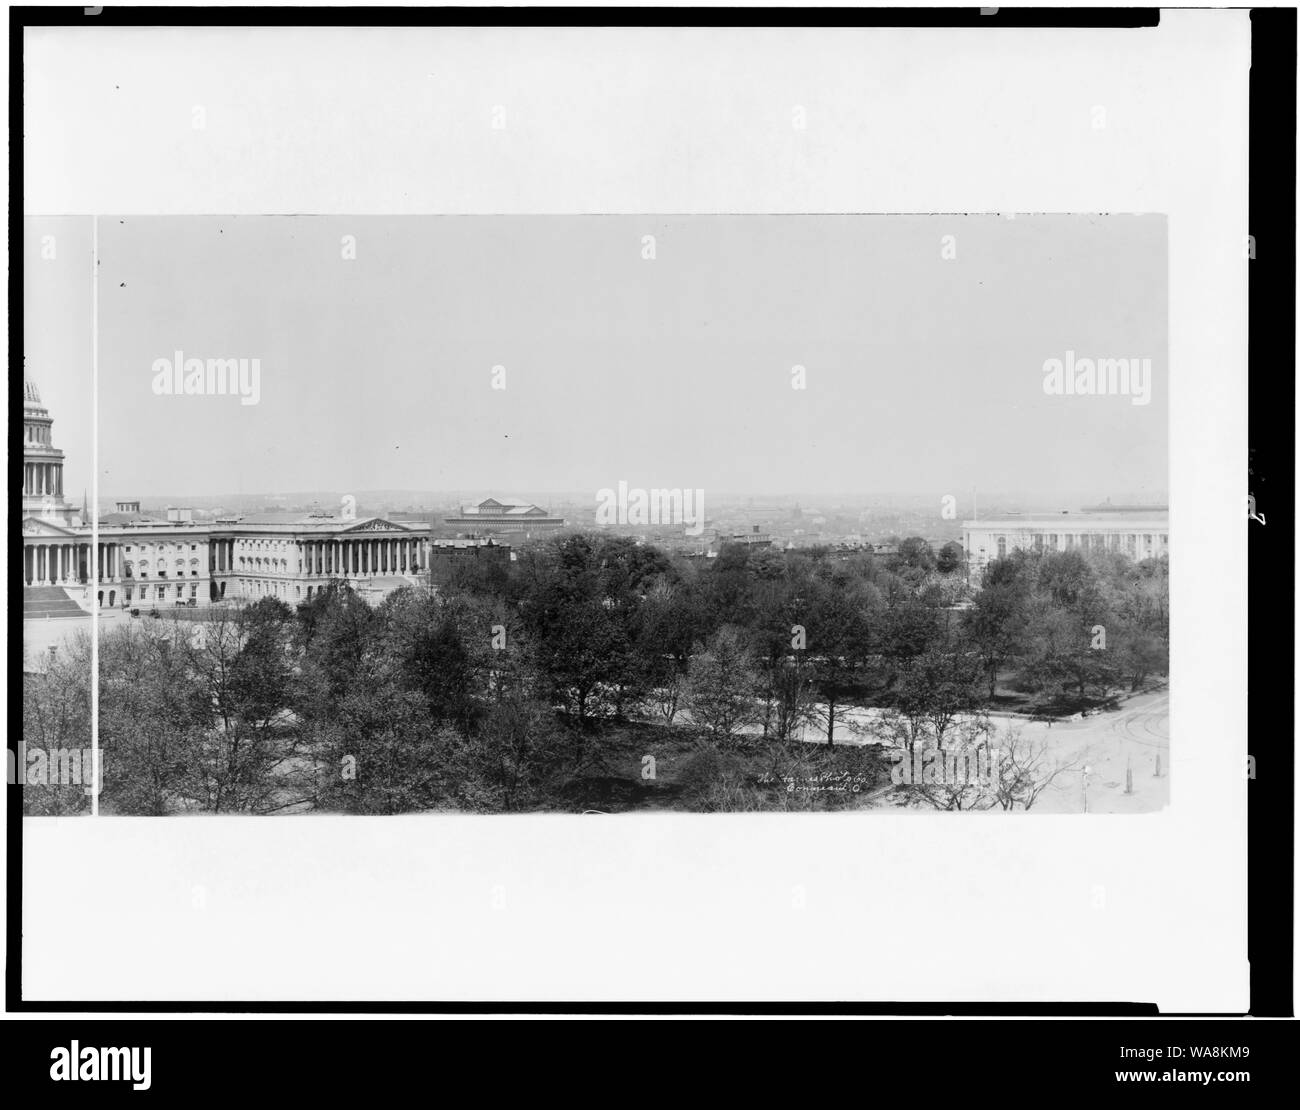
31	395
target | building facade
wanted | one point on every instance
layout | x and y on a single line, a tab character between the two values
493	517
1138	532
133	559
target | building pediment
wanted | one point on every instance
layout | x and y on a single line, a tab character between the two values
35	526
375	524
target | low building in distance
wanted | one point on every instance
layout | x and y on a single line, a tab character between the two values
498	516
752	538
1138	531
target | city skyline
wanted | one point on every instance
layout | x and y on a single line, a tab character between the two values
993	499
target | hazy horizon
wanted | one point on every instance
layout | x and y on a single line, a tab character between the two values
1076	500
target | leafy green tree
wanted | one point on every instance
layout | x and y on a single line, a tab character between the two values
442	648
723	686
235	770
518	758
914	561
1141	654
240	665
1062	651
56	718
791	684
907	629
936	689
334	631
260	679
839	641
951	557
669	623
153	709
381	752
580	639
996	625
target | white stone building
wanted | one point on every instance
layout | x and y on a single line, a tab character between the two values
137	560
1140	532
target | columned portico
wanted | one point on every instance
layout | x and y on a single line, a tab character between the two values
137	560
345	555
141	564
56	562
53	560
336	552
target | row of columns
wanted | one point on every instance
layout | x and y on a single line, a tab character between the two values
349	558
57	564
60	564
221	556
1139	545
1129	542
42	479
332	558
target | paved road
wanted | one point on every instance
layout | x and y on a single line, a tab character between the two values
1108	744
1147	724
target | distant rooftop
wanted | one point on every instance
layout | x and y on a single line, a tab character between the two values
1082	518
1107	507
495	507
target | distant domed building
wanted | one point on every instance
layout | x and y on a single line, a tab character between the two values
75	560
42	465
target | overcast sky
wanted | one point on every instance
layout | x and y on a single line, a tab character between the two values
923	373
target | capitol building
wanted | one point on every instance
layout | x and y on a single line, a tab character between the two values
137	560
